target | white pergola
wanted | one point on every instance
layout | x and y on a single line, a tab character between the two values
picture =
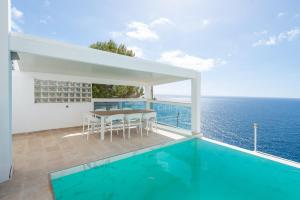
54	57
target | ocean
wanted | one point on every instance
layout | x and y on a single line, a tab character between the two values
230	120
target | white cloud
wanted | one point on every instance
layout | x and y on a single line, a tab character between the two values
266	42
15	27
290	35
141	31
281	14
16	14
181	59
160	21
281	37
17	17
138	51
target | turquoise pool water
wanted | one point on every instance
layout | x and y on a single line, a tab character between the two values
194	169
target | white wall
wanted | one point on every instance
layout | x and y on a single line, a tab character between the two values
28	116
5	97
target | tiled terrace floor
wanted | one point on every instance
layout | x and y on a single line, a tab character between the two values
37	154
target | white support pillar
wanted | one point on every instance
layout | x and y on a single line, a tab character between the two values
196	104
148	94
5	98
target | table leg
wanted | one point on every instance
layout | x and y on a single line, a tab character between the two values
102	129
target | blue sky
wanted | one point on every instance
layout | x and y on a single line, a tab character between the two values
244	48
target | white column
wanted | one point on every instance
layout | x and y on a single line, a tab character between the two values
5	98
196	104
148	94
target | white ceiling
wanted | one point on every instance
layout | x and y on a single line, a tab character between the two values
42	64
46	56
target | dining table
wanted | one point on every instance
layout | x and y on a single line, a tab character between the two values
106	113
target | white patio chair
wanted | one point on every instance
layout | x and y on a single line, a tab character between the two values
149	119
90	124
115	122
134	120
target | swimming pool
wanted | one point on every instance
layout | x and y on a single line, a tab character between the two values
191	169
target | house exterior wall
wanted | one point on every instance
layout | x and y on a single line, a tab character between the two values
28	116
5	97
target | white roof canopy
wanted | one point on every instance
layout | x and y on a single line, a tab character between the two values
48	56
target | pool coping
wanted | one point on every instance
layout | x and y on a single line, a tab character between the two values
255	153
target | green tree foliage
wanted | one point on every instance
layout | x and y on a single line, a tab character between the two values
115	91
111	46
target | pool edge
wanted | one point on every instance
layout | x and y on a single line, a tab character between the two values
255	153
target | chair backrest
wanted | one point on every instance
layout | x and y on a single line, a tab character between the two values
117	117
150	115
134	116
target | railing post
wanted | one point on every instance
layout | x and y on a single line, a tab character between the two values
177	122
255	136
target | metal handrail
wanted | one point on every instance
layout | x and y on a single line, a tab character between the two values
176	115
171	103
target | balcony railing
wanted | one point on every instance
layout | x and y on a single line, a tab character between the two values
119	103
172	114
177	116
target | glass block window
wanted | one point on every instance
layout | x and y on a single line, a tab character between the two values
48	91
